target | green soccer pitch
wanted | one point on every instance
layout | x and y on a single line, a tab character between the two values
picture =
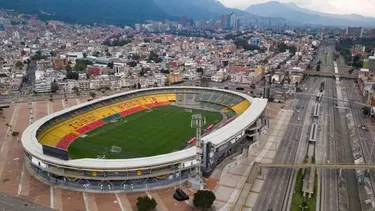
159	130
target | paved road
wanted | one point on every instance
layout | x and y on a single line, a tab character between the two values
326	144
277	186
365	138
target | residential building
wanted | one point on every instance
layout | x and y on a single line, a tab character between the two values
59	63
254	41
42	86
174	77
371	63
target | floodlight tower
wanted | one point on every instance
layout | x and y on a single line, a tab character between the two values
197	121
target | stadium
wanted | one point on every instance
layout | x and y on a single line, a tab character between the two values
141	139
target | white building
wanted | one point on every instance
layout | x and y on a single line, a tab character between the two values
73	56
219	76
42	86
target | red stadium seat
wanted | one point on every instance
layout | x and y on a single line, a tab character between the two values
131	111
91	126
64	143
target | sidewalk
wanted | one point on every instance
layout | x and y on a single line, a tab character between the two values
235	173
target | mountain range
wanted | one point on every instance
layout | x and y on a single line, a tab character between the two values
298	15
128	12
118	12
197	9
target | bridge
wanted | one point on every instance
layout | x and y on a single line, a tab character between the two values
331	74
320	166
336	99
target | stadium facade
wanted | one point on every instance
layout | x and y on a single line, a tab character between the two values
46	141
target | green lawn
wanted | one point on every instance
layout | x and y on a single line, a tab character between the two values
365	65
146	133
298	194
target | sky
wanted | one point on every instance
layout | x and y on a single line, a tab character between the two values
362	7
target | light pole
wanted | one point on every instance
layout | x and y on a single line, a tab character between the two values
197	121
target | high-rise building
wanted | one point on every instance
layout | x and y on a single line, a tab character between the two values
184	20
233	21
371	33
238	23
355	32
229	21
371	63
223	21
138	27
185	45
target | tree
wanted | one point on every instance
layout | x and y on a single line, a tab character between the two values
366	111
318	67
110	65
72	75
68	67
19	65
154	57
81	64
76	90
38	56
96	54
146	204
164	71
54	87
322	85
157	41
134	56
132	64
203	199
92	95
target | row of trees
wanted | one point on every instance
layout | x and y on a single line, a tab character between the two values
344	47
117	42
203	200
81	64
282	47
154	57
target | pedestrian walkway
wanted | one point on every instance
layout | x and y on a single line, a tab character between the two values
235	174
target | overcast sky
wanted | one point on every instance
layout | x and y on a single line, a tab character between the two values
362	7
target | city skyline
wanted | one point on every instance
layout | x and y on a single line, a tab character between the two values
361	7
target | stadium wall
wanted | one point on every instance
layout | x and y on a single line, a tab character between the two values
148	172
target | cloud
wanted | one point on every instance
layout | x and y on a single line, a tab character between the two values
362	7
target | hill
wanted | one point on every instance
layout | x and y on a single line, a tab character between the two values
197	9
118	12
293	13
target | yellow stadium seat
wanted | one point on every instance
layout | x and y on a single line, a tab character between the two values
171	97
102	112
241	107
